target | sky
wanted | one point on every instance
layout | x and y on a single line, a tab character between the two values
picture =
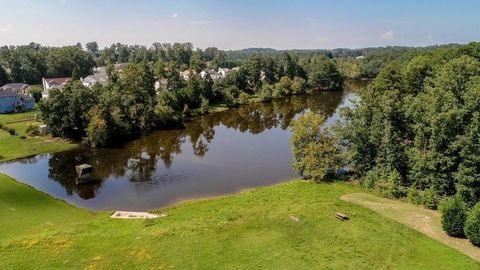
237	24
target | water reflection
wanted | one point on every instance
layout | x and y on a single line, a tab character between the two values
214	154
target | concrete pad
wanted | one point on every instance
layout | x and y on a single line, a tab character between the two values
135	215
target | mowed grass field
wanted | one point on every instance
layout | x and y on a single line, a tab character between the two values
14	146
288	226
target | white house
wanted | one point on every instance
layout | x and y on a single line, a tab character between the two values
54	83
187	74
161	84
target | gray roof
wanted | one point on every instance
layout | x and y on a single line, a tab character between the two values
100	78
27	98
16	87
8	94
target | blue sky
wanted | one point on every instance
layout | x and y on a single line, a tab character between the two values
241	24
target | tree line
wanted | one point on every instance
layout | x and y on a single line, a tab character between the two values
129	105
30	63
414	133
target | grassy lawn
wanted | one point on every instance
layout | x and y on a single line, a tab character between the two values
288	226
423	220
17	117
13	146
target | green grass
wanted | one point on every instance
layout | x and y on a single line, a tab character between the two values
18	117
251	230
13	146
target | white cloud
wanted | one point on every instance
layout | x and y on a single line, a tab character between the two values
8	28
175	15
387	35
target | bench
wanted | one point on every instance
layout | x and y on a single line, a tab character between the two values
341	216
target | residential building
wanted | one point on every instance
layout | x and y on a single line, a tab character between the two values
20	88
97	78
54	83
187	74
161	84
15	102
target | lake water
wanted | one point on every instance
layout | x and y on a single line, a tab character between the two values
215	154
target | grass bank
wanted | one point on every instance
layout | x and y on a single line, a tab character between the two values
288	226
21	144
421	219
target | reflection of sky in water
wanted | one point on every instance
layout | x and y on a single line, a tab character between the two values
216	154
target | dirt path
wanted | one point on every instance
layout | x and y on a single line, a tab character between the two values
423	220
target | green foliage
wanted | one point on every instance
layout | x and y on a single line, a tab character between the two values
3	76
243	98
430	199
323	74
315	149
420	118
97	129
414	196
388	184
454	215
32	130
36	92
472	225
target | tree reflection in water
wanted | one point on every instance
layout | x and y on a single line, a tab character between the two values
138	160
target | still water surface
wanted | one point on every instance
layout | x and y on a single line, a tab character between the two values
216	154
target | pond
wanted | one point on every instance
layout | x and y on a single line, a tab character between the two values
217	154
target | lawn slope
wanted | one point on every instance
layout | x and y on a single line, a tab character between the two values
423	220
16	146
288	226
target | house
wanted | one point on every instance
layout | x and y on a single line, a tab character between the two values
187	74
161	84
19	88
54	83
223	71
15	102
212	73
97	78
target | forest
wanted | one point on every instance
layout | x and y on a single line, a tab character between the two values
414	133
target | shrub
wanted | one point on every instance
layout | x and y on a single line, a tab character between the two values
204	105
430	199
472	225
23	137
9	130
33	130
414	195
388	184
454	215
370	179
243	98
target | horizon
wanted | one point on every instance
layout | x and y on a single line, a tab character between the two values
279	25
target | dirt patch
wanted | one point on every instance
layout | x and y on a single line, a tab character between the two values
423	220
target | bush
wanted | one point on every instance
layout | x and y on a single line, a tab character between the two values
9	130
454	215
389	184
414	195
430	199
472	225
23	137
243	98
33	130
370	179
204	105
